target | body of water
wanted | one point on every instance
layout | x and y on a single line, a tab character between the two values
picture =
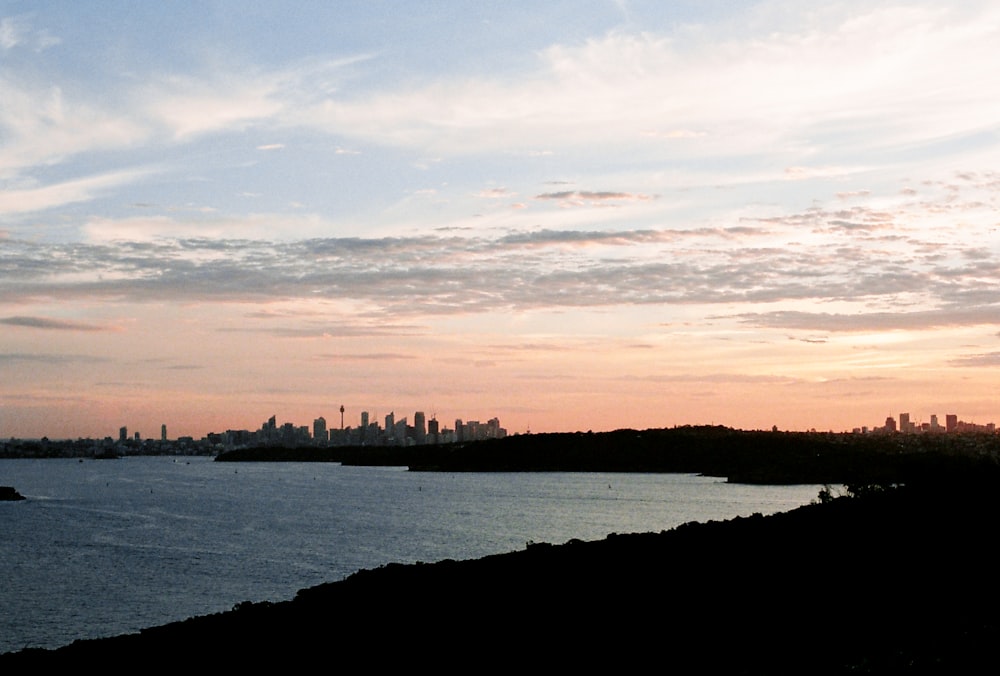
105	547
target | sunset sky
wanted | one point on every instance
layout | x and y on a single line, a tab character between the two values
581	215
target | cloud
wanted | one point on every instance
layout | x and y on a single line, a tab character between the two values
12	357
584	197
846	195
984	360
207	226
874	321
53	324
542	238
714	378
920	262
444	275
357	329
495	193
189	107
372	356
17	32
799	173
891	77
235	99
43	126
42	198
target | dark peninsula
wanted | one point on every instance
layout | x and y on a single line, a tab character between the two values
766	457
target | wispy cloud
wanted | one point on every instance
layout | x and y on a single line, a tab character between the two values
880	64
54	324
49	358
372	356
985	360
189	107
43	126
45	197
17	31
584	197
876	321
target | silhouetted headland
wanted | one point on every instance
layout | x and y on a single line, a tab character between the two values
740	456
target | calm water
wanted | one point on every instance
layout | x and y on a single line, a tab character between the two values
104	547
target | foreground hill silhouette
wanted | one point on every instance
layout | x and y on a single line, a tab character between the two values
888	580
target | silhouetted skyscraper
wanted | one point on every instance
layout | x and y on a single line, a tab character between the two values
320	435
419	427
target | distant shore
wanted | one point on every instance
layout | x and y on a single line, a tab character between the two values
739	456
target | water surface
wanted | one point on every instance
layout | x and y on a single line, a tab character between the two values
104	547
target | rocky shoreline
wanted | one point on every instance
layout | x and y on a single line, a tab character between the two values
889	580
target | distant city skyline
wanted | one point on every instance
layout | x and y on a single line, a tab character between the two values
423	426
583	215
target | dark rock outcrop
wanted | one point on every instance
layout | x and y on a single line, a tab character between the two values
9	493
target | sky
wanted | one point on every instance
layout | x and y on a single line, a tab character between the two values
571	216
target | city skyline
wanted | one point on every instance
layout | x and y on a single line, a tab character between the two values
576	216
424	426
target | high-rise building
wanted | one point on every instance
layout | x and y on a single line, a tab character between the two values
320	435
390	424
890	424
419	427
123	434
163	432
951	422
493	429
904	422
